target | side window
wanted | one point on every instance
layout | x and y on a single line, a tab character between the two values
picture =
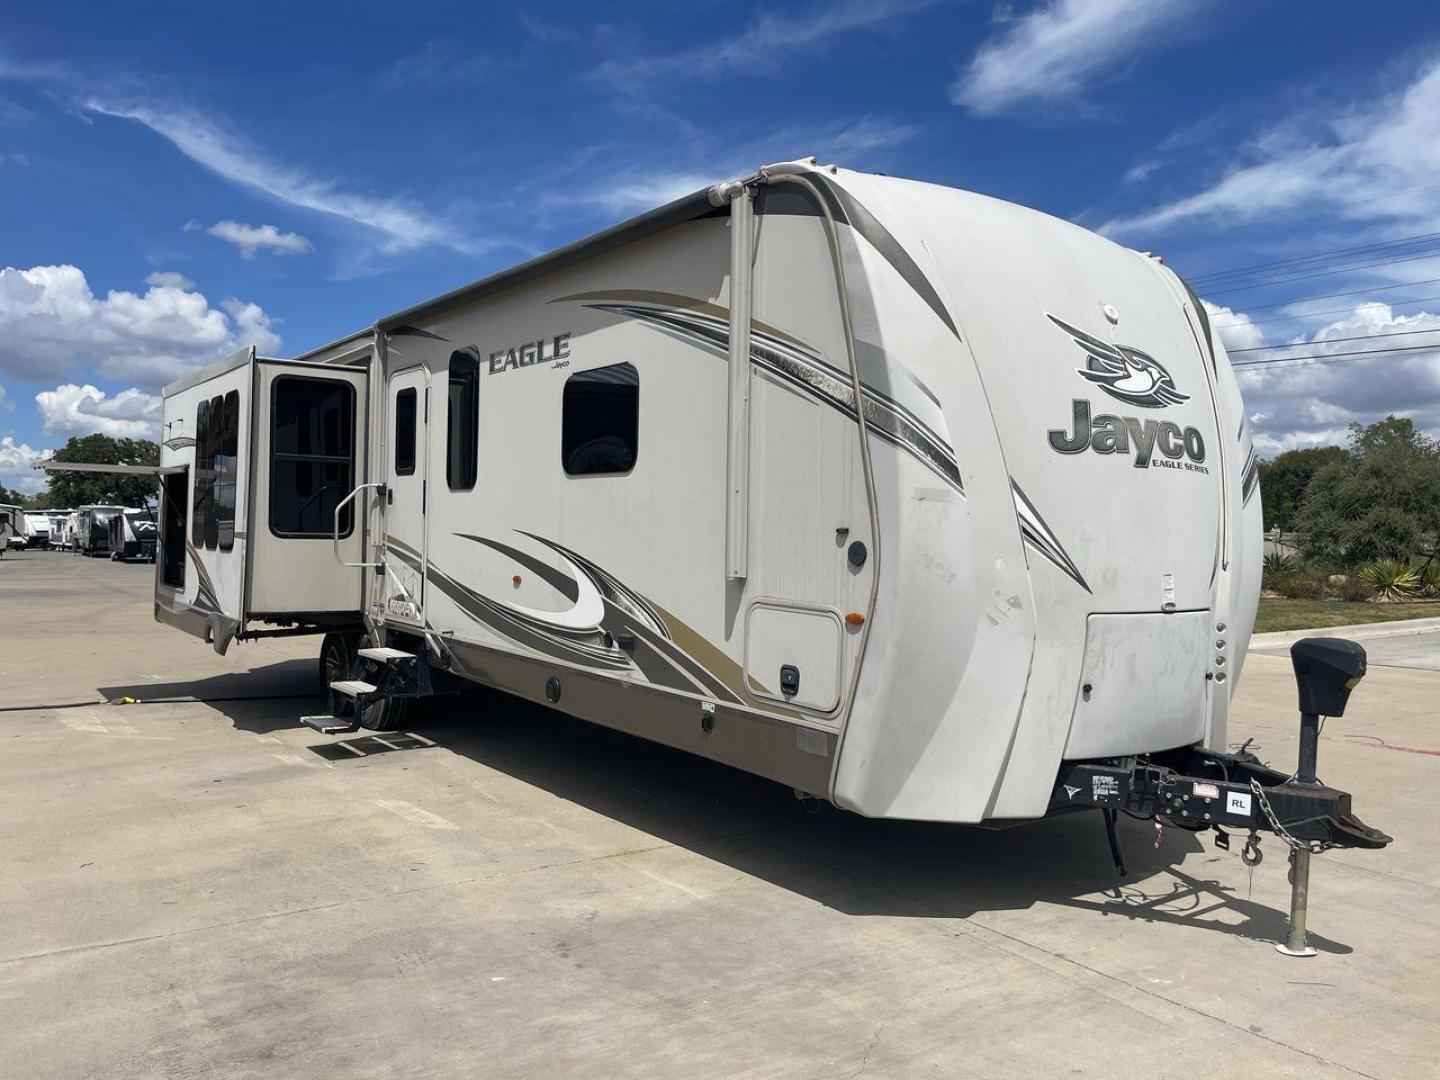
227	468
600	428
462	435
312	455
405	432
212	452
202	474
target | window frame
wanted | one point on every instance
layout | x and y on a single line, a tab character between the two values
472	358
564	401
201	493
349	390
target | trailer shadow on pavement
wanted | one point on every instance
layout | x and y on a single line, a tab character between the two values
851	864
260	701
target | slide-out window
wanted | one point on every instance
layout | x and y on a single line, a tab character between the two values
462	436
203	467
600	428
227	467
405	432
312	455
212	453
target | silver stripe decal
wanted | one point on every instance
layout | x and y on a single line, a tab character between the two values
1039	537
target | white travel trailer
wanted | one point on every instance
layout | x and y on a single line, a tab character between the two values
37	529
12	526
59	520
630	479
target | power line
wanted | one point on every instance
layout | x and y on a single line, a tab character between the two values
1325	256
1330	341
1328	357
1315	314
1320	273
1336	295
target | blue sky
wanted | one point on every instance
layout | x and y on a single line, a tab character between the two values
176	181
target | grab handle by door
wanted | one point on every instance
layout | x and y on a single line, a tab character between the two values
336	534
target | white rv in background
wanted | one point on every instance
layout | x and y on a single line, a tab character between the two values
37	529
919	501
12	525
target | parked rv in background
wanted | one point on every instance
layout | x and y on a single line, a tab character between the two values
37	529
11	524
92	529
132	535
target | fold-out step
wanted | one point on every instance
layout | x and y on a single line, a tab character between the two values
330	725
352	687
385	654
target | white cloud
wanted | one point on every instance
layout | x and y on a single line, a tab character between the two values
15	158
402	225
252	325
762	43
630	189
5	403
1047	57
50	321
83	410
1375	161
1310	402
168	279
1235	328
17	462
253	238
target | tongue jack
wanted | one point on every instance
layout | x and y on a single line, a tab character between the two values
1326	670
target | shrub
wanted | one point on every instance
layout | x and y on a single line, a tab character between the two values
1430	579
1355	590
1392	579
1306	584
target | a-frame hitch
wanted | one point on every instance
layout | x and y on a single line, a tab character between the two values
1197	789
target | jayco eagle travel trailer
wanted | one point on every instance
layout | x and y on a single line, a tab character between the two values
929	504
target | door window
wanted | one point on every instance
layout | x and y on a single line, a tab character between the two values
405	432
312	456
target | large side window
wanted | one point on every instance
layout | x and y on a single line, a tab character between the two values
600	429
405	432
212	454
462	436
227	469
312	455
202	474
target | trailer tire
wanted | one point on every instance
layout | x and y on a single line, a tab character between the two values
338	660
384	713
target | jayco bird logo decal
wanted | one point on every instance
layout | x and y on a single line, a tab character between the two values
1130	375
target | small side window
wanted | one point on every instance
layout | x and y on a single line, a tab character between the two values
462	436
405	432
600	429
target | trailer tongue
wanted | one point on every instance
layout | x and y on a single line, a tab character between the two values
1196	789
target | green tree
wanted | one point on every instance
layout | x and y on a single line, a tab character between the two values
1381	500
11	497
1284	478
76	489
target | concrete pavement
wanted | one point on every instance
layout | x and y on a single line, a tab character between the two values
201	888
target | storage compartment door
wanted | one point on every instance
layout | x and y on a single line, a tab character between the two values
309	456
793	655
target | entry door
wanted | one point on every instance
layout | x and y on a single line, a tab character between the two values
408	412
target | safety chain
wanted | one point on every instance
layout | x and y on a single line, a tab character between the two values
1315	846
